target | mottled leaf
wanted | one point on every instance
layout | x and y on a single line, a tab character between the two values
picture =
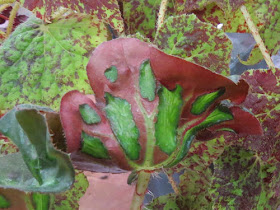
186	6
128	116
263	101
70	198
38	167
166	202
265	15
243	181
40	62
187	37
195	176
141	16
104	9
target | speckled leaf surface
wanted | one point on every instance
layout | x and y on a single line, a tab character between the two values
263	101
40	62
70	198
186	6
104	9
195	178
243	181
265	15
141	16
187	37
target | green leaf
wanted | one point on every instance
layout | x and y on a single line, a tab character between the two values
39	167
147	82
4	203
219	115
88	114
41	62
41	201
169	110
111	74
121	119
202	103
187	37
94	147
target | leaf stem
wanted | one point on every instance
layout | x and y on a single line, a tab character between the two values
173	184
6	1
12	18
3	7
140	190
257	36
161	14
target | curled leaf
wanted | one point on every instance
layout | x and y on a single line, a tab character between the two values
38	167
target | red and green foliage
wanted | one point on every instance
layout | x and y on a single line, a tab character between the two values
161	100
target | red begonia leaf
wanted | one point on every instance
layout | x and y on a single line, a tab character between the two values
115	72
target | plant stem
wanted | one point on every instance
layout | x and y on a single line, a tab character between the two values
6	1
257	36
173	184
3	7
12	18
161	14
140	190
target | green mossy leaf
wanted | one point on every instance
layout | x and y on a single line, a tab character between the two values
111	74
202	103
187	37
41	62
39	167
121	119
147	82
41	201
94	147
169	111
4	203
